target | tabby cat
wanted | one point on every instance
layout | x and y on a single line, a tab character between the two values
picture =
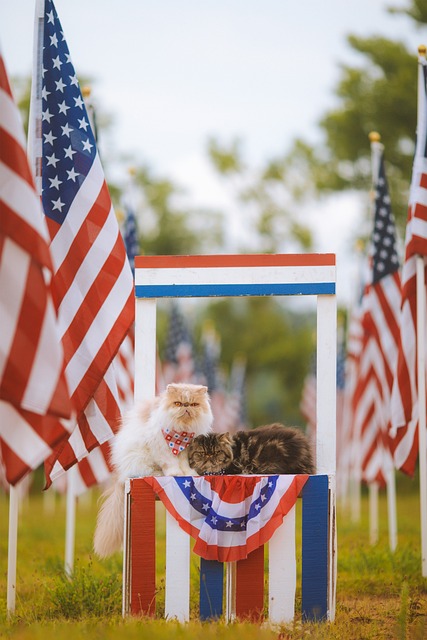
270	449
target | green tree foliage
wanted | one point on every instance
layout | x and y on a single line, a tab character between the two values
168	228
379	94
277	345
268	196
417	10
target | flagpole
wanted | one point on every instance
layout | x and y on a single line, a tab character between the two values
421	319
70	527
12	549
376	149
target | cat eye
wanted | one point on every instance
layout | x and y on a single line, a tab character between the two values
186	404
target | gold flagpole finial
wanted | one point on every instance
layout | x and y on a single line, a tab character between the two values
422	49
374	136
86	91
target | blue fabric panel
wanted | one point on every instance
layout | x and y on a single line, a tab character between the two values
211	588
315	521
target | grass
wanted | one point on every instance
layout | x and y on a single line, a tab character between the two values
379	595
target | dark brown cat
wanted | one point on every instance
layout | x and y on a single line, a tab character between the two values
271	449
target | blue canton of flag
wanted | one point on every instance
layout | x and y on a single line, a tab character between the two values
385	258
68	141
130	237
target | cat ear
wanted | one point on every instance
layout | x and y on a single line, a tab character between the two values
203	389
170	386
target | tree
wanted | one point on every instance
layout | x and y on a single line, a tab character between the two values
277	344
379	94
267	198
168	227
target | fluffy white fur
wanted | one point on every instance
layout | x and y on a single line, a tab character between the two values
139	449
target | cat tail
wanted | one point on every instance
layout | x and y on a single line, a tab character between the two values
108	537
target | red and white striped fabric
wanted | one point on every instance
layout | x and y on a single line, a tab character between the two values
124	364
94	469
347	460
308	402
380	323
92	278
33	391
405	411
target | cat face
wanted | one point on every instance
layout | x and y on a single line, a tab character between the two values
210	453
188	407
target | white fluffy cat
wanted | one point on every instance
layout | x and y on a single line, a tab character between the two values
152	441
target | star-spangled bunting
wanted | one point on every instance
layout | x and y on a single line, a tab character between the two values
228	516
92	280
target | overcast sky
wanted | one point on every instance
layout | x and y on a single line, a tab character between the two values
175	72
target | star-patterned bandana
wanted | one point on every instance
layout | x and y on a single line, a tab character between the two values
177	440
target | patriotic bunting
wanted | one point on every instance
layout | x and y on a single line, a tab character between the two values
228	516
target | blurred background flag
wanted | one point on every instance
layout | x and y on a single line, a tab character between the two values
405	409
92	278
380	323
34	398
178	361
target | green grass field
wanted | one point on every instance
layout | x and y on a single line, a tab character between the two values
379	594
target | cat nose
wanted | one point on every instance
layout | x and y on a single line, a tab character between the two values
185	404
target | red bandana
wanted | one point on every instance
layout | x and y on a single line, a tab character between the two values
177	440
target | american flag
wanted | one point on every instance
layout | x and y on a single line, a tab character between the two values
228	516
33	391
308	399
226	407
348	449
92	280
130	236
380	323
178	360
405	410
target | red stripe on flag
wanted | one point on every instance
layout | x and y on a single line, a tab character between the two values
30	412
15	157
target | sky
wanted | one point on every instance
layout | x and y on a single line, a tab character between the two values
173	73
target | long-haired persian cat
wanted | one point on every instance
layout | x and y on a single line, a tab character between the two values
152	441
270	449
